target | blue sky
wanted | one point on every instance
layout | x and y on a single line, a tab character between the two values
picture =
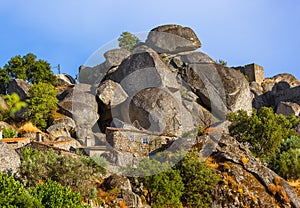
68	32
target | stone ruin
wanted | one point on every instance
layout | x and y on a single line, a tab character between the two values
254	72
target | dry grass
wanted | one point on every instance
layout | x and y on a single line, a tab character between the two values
28	128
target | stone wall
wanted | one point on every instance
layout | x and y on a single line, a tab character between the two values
138	143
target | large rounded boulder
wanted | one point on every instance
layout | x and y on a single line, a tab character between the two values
173	39
155	110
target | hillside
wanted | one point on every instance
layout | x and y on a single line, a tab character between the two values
146	110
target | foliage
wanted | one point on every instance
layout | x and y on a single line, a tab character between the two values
263	130
128	41
4	80
42	101
14	103
198	181
13	194
9	133
29	69
222	62
288	162
163	189
53	194
76	172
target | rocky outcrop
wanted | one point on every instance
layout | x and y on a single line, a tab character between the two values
288	108
9	159
138	74
111	93
220	89
94	75
289	79
155	110
256	89
65	79
251	178
173	39
19	86
79	103
61	127
280	93
122	184
115	57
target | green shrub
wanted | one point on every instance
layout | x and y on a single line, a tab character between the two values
198	181
53	195
9	133
263	130
38	112
163	189
76	172
287	164
13	194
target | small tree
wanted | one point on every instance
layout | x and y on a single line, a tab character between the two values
163	189
198	181
221	62
28	68
287	164
53	195
42	102
263	130
4	80
128	41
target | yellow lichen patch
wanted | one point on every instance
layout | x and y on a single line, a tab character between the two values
277	180
272	188
211	163
244	160
296	186
225	166
122	204
55	115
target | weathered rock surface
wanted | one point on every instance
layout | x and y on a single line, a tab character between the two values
144	70
94	75
254	177
172	39
269	83
111	93
220	89
65	79
155	110
276	96
9	159
20	87
3	105
61	127
79	103
195	57
256	89
288	108
122	183
115	57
